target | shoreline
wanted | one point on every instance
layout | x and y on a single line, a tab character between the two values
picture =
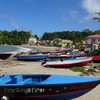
13	66
15	49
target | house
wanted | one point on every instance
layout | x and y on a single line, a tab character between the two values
62	43
93	39
32	40
66	43
92	42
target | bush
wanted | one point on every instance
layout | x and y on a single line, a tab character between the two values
77	69
91	70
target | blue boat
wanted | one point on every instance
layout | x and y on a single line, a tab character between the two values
39	52
49	53
46	86
31	57
36	56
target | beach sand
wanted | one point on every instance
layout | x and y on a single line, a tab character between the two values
13	66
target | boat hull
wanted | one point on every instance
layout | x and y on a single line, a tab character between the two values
62	97
4	56
45	87
64	49
96	59
31	58
48	92
68	63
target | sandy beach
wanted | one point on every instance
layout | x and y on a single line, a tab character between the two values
13	66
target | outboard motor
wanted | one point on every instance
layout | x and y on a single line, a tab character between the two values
44	61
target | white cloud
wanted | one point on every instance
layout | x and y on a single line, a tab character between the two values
69	14
91	6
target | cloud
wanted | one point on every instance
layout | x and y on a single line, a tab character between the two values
69	15
91	7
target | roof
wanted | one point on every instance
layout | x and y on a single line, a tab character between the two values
94	36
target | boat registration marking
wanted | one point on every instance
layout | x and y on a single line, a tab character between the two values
24	90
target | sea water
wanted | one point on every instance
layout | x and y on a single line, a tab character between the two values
13	49
6	48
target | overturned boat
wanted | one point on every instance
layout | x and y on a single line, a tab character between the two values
31	57
46	86
4	55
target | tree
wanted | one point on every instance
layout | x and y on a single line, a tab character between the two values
97	18
97	31
36	36
14	37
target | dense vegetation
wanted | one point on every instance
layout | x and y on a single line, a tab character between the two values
14	37
21	37
75	36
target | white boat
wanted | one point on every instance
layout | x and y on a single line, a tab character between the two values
73	61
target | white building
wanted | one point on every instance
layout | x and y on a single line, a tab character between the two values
92	42
32	40
93	39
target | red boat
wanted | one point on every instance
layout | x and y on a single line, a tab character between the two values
96	59
2	60
64	49
73	61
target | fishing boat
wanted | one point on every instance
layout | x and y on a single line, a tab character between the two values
76	53
4	55
96	59
1	60
48	53
73	61
39	52
64	49
46	86
31	57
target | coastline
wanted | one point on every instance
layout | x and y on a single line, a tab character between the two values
13	66
13	49
20	49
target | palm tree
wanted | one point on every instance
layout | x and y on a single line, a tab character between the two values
97	18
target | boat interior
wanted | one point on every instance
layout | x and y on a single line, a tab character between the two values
22	79
37	79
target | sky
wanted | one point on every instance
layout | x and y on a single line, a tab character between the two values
42	16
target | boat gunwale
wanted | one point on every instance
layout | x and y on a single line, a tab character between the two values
57	84
47	78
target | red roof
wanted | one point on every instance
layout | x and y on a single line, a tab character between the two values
94	36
